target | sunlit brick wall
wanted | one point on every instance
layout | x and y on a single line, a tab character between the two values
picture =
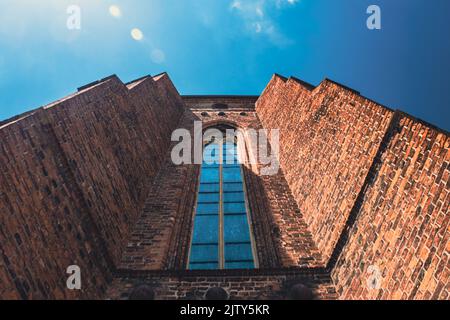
328	139
373	185
401	238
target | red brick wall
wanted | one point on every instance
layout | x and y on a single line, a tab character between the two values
402	226
44	225
372	184
161	237
328	139
74	177
88	181
254	285
117	139
281	234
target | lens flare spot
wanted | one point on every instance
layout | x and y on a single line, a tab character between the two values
137	34
158	56
115	11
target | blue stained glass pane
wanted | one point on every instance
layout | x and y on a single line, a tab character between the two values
204	253
229	146
230	155
236	229
211	162
240	265
206	229
211	150
209	187
203	266
207	208
208	198
210	165
231	162
209	175
232	174
238	252
230	149
235	165
211	154
230	152
232	187
233	197
233	208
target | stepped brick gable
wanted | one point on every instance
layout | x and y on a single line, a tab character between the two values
358	210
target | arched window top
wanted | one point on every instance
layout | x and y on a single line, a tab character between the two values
221	237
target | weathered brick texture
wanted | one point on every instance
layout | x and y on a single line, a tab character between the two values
74	177
254	285
402	225
88	180
44	224
161	237
328	139
372	183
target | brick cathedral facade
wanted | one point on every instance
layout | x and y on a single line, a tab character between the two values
88	181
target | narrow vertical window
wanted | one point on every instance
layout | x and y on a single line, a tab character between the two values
205	245
221	235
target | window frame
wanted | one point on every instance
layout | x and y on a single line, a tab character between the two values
221	215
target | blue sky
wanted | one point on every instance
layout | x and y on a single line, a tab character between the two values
229	47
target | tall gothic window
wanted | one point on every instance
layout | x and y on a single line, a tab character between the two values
221	236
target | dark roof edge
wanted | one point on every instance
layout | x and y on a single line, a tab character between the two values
160	74
303	83
220	96
18	117
280	76
138	79
358	94
342	85
425	123
402	113
28	113
94	83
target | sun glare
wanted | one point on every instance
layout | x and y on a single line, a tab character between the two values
137	34
115	11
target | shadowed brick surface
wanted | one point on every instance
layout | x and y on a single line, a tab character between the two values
252	285
161	237
88	180
73	181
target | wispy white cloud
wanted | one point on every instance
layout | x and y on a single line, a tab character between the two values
258	17
281	3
